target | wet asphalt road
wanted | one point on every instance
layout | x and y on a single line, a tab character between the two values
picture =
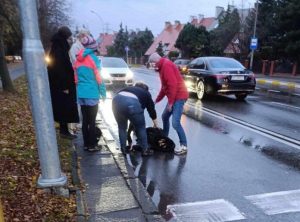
225	176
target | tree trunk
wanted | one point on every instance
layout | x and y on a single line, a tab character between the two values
4	73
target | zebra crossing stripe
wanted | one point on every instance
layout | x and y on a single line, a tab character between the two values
278	202
218	210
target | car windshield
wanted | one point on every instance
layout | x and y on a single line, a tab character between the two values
220	63
113	63
185	62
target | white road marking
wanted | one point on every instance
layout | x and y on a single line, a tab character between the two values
278	202
267	133
282	104
205	211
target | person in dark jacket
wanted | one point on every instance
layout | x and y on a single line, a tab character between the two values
129	104
172	86
62	83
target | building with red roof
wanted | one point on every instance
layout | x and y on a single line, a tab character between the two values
167	37
171	32
106	40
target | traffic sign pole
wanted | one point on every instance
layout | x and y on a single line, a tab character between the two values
254	34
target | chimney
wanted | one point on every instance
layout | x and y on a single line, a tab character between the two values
167	24
231	8
219	10
177	23
200	17
193	19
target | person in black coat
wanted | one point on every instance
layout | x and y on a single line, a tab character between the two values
61	80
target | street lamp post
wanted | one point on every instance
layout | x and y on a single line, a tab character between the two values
254	34
40	99
99	17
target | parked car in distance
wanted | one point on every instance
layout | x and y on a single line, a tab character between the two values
182	65
13	59
115	72
219	76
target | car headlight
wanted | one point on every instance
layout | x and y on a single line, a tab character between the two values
47	59
129	74
105	74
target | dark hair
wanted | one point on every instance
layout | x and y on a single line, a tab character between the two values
142	85
65	32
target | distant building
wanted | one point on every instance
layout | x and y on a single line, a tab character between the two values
167	37
106	40
171	32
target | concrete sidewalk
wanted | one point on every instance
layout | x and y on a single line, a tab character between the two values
112	191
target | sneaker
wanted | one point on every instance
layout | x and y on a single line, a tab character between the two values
94	148
180	150
147	152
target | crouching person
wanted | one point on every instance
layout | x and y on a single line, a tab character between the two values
129	104
90	89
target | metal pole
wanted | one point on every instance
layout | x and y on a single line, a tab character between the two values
254	34
37	77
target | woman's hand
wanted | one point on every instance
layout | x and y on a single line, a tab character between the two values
155	123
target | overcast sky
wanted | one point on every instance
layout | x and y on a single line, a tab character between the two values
139	14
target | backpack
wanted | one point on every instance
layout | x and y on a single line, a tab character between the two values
158	141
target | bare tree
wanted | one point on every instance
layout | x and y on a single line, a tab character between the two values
8	24
52	15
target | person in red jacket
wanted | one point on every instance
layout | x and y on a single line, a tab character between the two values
172	86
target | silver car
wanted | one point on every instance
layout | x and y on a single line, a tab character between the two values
115	71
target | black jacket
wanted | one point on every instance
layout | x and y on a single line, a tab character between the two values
144	97
61	77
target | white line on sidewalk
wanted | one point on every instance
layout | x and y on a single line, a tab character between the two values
206	211
278	202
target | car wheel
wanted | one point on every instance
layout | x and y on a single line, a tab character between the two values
241	96
201	94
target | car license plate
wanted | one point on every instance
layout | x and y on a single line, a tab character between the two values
118	78
237	78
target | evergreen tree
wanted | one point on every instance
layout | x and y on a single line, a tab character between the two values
121	42
228	27
139	42
268	31
193	41
289	26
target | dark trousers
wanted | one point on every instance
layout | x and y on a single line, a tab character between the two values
89	114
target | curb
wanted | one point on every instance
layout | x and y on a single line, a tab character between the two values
81	209
289	88
149	209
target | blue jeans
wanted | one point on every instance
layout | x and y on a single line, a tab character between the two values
176	111
126	108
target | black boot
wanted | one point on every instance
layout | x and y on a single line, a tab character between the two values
64	131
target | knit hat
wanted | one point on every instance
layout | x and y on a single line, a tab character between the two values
89	42
65	32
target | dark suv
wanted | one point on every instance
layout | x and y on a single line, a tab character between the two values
219	75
